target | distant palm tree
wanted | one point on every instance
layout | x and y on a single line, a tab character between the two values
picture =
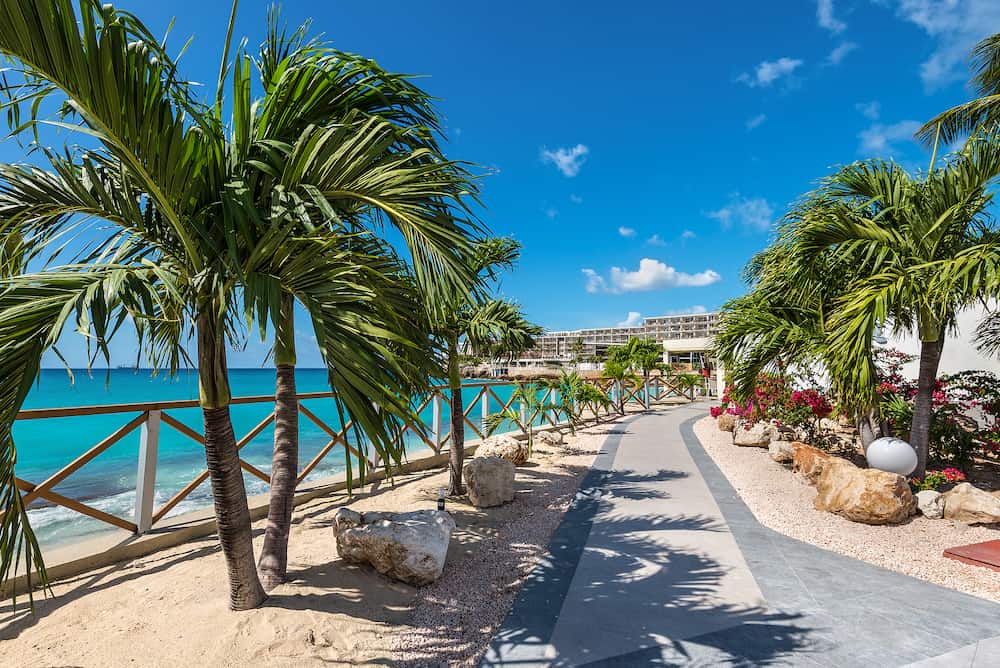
485	325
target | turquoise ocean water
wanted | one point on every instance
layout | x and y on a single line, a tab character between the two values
108	482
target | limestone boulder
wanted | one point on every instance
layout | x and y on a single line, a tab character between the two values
781	451
410	546
505	447
808	461
861	495
553	437
489	481
971	505
726	422
759	435
931	504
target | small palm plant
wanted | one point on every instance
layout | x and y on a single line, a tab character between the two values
532	400
620	373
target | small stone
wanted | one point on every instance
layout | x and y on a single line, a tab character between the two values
505	447
781	451
552	437
726	422
489	481
759	435
971	505
931	504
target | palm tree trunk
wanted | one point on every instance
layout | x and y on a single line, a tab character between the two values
273	563
223	462
457	450
930	357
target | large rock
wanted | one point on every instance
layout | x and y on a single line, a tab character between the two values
726	422
971	505
781	451
489	481
808	461
931	504
552	437
869	496
505	447
408	546
759	435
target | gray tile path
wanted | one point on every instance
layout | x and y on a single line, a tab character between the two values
659	562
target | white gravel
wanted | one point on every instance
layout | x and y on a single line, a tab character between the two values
455	618
782	501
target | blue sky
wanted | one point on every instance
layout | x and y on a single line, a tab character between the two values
641	152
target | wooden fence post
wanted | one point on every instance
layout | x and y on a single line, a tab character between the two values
145	479
436	434
485	414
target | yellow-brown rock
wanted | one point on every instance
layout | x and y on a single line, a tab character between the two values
808	461
971	505
861	495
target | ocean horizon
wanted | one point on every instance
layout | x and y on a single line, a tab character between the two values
108	482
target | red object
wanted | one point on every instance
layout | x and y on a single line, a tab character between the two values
985	554
704	372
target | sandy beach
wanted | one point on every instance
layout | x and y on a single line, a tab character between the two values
169	608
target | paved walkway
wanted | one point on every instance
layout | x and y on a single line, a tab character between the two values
659	562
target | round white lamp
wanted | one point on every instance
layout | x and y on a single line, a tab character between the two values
891	454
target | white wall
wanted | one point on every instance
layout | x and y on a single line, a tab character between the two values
959	352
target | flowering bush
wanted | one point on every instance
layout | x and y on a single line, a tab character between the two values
775	400
934	479
965	415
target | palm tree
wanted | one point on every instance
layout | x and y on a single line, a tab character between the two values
620	372
307	84
921	249
983	111
485	325
644	355
173	181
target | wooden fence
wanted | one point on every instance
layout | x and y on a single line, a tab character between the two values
153	416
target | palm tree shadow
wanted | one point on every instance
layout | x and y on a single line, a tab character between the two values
687	618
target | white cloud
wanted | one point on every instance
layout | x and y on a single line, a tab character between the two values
880	139
870	110
840	52
634	319
651	275
626	232
576	199
656	240
551	212
768	72
826	19
567	160
956	26
756	121
595	282
753	213
688	234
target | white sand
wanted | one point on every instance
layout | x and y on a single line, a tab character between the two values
779	499
169	608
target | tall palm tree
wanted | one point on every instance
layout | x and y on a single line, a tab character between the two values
174	182
922	249
485	325
305	85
